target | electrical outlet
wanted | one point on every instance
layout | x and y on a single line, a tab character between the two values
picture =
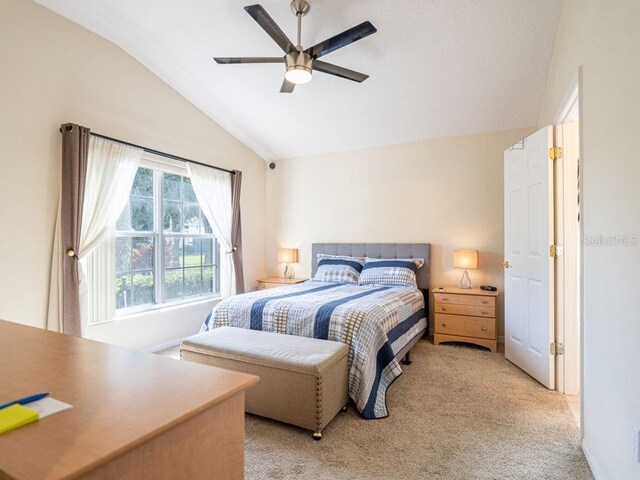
635	443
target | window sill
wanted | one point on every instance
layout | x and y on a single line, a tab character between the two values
165	307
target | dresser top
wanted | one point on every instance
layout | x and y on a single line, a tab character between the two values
121	398
284	281
465	291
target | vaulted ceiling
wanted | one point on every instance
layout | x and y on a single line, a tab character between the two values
438	68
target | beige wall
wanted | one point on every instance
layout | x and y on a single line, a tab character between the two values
447	192
53	71
604	38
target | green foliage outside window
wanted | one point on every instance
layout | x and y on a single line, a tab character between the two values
187	260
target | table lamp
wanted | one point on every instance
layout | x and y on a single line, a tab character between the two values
287	256
466	259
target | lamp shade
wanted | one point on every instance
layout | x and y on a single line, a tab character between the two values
287	255
465	259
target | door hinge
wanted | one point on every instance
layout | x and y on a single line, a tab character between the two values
557	348
555	153
556	251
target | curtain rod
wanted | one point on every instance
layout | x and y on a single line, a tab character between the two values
163	154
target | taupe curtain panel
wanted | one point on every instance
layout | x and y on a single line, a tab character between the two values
75	152
236	230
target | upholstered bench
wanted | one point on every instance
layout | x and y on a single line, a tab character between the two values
303	381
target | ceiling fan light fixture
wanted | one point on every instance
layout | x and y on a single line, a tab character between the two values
298	74
299	66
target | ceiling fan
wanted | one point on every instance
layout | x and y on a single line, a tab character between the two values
301	63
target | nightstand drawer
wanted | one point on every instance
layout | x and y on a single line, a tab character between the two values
478	300
465	326
264	286
472	310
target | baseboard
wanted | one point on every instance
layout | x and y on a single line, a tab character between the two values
597	473
164	346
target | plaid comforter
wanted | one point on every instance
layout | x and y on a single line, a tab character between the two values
376	322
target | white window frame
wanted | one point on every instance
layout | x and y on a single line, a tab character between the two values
165	165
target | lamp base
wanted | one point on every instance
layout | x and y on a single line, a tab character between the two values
465	281
288	272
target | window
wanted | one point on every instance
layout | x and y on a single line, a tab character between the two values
165	250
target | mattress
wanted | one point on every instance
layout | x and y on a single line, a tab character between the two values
376	322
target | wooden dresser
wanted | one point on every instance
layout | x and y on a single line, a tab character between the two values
135	415
465	315
273	282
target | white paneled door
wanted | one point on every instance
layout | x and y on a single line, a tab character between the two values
528	272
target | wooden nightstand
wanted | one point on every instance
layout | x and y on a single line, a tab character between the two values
466	315
278	282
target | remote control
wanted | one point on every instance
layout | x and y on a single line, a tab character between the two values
488	288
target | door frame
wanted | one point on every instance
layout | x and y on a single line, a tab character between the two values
569	368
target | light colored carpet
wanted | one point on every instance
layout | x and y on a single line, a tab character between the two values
457	412
173	352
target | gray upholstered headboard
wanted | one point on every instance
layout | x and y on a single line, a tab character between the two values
379	250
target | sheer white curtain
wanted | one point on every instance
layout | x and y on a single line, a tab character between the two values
213	191
111	169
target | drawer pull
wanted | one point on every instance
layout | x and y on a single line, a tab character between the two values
484	329
484	302
444	299
484	312
444	309
444	324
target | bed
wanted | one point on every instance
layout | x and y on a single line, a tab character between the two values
380	324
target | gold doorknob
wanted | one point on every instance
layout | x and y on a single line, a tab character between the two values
506	264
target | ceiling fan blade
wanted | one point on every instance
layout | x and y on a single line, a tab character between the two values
342	39
261	16
341	72
287	86
232	60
